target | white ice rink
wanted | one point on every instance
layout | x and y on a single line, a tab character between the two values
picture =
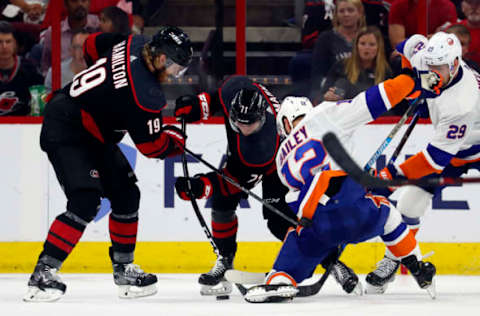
95	294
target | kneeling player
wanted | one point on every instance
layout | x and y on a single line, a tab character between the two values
337	209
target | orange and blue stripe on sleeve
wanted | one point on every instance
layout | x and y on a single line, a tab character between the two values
401	241
382	97
433	160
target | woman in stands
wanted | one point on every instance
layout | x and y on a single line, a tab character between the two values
367	66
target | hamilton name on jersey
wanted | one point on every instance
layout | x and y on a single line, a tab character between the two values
119	68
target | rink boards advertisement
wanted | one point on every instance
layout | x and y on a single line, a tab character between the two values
170	237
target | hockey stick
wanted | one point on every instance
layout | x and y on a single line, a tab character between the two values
237	185
390	136
194	201
197	210
404	138
345	161
238	277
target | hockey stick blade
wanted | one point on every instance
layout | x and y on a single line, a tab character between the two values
343	159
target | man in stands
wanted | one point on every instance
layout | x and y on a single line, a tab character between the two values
16	75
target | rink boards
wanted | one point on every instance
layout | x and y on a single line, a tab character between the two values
170	238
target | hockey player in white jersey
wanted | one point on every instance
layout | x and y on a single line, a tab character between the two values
333	209
454	147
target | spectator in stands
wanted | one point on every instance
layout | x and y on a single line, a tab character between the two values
16	75
376	13
463	34
366	67
114	20
336	44
28	7
317	17
407	17
471	9
73	65
77	19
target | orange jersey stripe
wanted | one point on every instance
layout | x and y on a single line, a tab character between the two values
320	188
404	246
417	166
398	88
457	162
406	63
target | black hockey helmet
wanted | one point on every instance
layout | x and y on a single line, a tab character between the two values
174	43
247	107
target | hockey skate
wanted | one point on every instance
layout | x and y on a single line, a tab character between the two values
423	272
44	285
347	278
378	280
213	282
271	293
132	281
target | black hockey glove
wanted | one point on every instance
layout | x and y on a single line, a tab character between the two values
201	187
176	141
193	108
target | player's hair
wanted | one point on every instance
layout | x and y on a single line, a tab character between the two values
119	19
80	31
353	63
362	22
459	29
6	28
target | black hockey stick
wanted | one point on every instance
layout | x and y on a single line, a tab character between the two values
345	161
197	210
306	290
194	201
390	136
237	185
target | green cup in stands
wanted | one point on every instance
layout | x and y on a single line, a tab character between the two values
37	101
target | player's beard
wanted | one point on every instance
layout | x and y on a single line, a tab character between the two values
161	74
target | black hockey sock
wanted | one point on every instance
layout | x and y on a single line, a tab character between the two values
64	234
225	236
123	233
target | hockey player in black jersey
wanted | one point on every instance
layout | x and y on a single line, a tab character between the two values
120	92
249	110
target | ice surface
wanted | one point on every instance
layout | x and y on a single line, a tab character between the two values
178	294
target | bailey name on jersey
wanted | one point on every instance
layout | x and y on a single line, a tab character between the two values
292	142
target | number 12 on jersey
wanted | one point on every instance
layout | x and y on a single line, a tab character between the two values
307	156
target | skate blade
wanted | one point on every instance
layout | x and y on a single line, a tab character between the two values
222	288
358	290
432	289
258	294
36	295
375	290
132	291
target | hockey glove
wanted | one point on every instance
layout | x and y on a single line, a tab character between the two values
388	173
201	187
193	108
427	83
176	141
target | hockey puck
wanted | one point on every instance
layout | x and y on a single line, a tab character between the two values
223	297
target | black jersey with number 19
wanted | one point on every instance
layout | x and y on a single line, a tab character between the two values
116	94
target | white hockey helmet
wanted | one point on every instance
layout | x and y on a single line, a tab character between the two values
443	49
413	45
290	109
